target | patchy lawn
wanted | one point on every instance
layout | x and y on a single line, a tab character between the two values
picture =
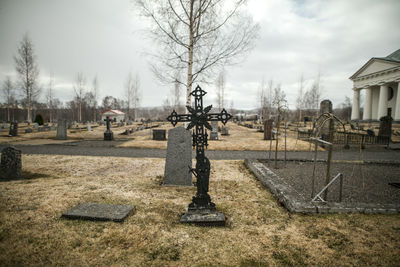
239	138
259	231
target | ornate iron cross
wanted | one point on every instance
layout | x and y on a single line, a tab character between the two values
200	117
107	120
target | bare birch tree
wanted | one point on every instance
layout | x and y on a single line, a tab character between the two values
8	93
132	94
220	85
50	97
265	98
28	71
197	36
79	89
300	97
280	103
95	93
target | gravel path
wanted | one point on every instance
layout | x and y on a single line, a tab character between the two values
101	148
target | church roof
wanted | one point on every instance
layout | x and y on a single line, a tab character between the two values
395	56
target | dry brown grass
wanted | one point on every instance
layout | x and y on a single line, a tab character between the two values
259	231
239	138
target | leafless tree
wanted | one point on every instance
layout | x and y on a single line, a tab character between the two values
220	85
280	103
265	98
95	93
300	97
8	93
79	89
50	97
197	36
28	71
132	94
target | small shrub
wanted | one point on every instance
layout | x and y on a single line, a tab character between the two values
39	119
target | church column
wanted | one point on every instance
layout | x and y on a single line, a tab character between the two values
383	101
355	111
368	104
397	111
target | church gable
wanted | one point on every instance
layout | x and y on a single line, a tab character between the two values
374	65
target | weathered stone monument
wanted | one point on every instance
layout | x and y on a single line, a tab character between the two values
61	130
89	128
36	125
325	107
159	134
385	126
108	134
10	166
224	130
179	158
268	125
214	131
28	130
13	129
201	210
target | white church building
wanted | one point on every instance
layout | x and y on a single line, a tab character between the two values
379	78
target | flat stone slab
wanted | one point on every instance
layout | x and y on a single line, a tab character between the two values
204	219
99	212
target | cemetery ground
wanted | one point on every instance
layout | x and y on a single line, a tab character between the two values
240	138
259	231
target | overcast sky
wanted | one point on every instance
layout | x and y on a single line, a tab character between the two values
106	38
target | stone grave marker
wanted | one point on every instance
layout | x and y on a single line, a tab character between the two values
13	129
4	125
224	130
159	134
214	131
28	130
89	128
99	212
325	107
52	127
36	125
108	134
268	125
385	126
179	158
10	166
61	130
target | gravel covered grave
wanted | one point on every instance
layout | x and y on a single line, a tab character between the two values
361	182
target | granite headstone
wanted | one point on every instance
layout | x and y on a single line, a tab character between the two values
61	130
214	131
179	157
10	166
13	129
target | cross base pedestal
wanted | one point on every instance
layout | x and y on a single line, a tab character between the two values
204	217
108	136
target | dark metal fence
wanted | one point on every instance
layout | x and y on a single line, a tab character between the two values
349	138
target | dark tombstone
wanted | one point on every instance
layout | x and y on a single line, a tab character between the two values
214	131
224	130
28	130
385	126
201	210
179	157
61	130
10	166
159	134
370	132
268	129
325	107
13	129
108	134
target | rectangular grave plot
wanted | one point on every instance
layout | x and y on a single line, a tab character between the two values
99	212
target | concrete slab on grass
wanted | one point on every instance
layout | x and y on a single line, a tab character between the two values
99	212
